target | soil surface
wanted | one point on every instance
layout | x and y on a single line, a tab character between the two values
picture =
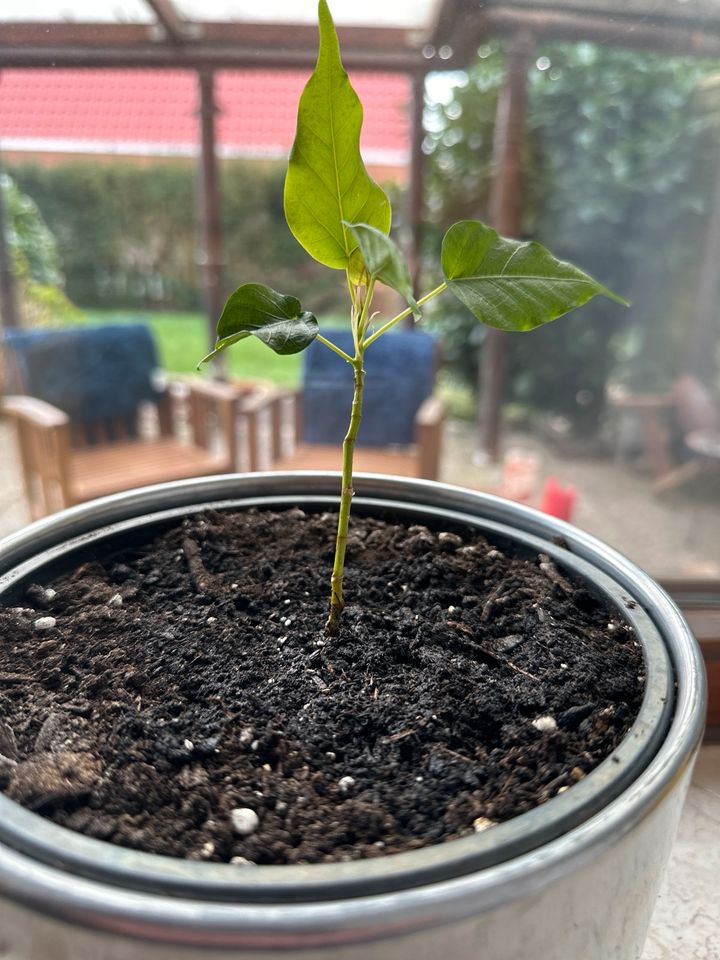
181	697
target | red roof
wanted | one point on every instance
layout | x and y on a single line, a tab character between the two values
154	112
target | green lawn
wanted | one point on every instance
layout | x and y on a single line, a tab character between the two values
182	340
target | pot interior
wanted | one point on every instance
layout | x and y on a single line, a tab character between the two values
50	843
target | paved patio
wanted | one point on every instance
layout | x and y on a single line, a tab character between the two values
676	534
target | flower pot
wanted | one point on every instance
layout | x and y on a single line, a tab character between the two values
575	877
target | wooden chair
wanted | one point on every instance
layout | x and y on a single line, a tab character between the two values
697	420
90	421
402	420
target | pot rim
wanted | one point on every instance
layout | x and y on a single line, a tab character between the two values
498	881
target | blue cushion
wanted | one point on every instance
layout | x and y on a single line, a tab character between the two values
399	375
91	373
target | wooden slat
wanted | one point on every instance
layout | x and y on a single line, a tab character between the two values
121	466
298	417
119	428
199	417
428	434
367	459
276	426
165	414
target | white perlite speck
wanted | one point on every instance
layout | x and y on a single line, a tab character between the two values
115	601
545	724
482	823
45	623
345	783
242	862
244	821
49	594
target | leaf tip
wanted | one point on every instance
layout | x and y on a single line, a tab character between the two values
206	359
611	295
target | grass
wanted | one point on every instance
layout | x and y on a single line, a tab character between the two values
182	339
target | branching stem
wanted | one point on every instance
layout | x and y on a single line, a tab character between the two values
359	320
334	348
346	494
401	316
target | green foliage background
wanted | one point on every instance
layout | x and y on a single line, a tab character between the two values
35	259
619	159
618	166
128	237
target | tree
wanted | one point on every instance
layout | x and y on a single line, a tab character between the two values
617	171
34	258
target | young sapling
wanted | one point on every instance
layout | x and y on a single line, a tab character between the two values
342	218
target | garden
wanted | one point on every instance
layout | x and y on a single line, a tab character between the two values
332	711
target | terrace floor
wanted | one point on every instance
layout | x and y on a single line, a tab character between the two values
673	536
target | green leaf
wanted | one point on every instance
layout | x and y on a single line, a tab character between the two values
384	261
326	181
259	311
512	285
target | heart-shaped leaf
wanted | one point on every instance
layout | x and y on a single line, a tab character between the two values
384	261
255	310
509	284
326	181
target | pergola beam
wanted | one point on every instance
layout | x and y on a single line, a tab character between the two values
216	45
177	29
195	57
618	31
209	206
505	209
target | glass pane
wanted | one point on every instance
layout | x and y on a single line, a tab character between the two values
618	170
77	11
410	13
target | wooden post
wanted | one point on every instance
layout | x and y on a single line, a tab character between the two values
505	207
211	255
9	311
416	186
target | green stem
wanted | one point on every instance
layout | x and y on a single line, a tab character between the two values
365	312
336	349
346	494
401	316
359	323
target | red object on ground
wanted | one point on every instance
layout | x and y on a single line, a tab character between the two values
558	500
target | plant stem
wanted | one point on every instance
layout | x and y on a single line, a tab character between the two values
333	347
346	494
405	313
359	319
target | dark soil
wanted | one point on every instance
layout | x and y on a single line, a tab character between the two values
191	677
